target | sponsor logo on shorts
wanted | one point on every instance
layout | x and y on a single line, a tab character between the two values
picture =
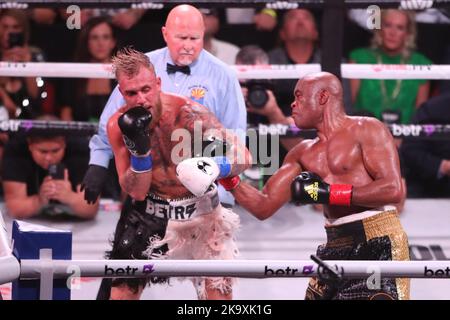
167	211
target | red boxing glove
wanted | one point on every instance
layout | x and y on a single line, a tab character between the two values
230	183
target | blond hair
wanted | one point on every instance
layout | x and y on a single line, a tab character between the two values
129	61
410	42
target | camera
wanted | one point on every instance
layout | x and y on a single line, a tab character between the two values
16	39
257	95
56	171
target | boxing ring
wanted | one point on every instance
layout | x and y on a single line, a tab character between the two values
275	255
284	241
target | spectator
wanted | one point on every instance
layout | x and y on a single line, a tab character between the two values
299	37
121	18
264	20
269	111
225	51
30	189
84	99
20	96
266	111
427	162
391	100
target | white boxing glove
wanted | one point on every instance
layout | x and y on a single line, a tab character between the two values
197	174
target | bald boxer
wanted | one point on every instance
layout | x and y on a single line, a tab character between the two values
175	211
352	168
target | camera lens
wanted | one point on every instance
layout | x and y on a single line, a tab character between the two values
257	96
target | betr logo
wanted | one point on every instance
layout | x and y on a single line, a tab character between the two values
74	19
148	268
120	271
444	273
279	272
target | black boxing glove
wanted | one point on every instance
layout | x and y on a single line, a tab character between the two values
309	188
93	182
135	127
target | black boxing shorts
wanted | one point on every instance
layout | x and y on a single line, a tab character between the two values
377	236
143	221
133	233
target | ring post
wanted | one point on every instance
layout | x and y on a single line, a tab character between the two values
32	241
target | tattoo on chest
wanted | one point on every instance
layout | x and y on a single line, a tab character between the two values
161	146
186	128
165	183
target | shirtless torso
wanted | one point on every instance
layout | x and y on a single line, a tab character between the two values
344	158
354	151
177	113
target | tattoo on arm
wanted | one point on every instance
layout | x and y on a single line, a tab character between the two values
130	181
236	152
238	168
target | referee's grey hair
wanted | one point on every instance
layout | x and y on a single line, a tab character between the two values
128	61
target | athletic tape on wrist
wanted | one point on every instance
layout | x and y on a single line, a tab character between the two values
341	194
141	164
230	183
224	166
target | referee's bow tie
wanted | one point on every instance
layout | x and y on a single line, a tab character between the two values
171	68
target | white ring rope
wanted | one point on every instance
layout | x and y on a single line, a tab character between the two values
30	269
351	71
56	70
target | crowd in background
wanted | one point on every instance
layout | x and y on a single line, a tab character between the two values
235	36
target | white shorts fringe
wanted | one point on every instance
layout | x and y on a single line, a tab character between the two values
206	237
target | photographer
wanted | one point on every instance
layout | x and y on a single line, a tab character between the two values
20	96
262	106
42	174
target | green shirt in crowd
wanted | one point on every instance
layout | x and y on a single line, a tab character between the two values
387	96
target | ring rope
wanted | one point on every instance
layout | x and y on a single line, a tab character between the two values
50	126
420	131
349	70
30	269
